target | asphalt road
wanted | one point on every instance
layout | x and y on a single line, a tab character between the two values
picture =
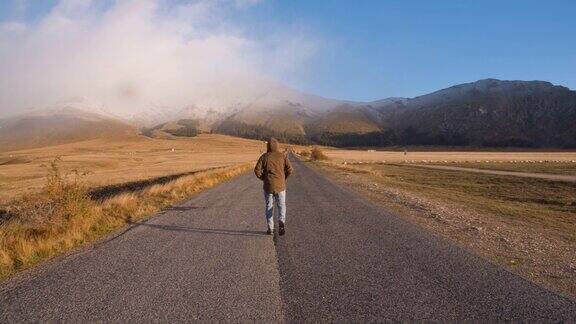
342	259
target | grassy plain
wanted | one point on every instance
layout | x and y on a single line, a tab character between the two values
550	206
112	161
564	168
451	156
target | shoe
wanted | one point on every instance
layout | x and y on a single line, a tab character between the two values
281	228
269	231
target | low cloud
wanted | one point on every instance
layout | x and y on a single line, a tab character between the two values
135	55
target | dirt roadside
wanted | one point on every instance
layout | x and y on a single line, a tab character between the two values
526	251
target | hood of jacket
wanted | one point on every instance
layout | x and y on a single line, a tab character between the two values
273	145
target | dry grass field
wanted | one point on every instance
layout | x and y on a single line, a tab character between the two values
527	225
450	156
111	161
563	168
48	203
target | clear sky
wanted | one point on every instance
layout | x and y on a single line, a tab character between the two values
375	49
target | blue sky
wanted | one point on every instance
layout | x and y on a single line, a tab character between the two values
375	49
406	48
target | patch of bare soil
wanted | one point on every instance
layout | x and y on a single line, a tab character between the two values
526	251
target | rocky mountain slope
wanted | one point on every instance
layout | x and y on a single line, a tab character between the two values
486	113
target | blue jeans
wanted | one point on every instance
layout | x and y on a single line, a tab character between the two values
280	199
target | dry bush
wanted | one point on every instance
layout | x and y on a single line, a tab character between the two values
63	215
304	153
43	223
317	155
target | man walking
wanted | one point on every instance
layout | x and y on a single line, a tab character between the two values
274	168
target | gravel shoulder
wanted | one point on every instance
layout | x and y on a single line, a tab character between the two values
529	251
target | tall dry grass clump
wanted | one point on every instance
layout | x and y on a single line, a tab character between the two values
304	153
318	155
63	215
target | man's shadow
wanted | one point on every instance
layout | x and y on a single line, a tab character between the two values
182	208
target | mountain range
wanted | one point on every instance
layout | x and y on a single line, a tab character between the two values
490	112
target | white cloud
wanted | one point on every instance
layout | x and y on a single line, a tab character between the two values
246	3
138	54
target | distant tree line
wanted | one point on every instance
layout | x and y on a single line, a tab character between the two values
411	136
383	138
189	128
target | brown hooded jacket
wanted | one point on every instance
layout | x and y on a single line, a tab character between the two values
273	168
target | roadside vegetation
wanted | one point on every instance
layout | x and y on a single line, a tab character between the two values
304	154
528	225
315	154
62	215
543	203
318	155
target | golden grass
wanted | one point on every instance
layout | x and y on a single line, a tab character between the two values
62	215
564	168
116	161
447	156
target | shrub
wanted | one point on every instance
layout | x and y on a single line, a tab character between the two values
304	153
317	155
40	224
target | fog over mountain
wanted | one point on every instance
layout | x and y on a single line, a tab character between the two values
160	64
142	59
488	112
